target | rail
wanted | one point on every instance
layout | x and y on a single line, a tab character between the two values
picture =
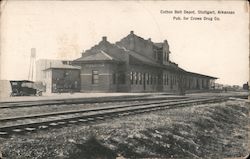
97	114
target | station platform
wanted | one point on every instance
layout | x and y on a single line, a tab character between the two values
64	96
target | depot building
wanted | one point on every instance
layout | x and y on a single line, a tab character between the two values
134	64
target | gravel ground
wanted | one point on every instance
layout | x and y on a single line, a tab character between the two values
205	131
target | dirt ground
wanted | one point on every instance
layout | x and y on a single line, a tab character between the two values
205	131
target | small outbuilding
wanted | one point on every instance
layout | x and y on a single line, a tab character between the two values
58	76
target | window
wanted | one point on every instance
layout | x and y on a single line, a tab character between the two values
197	84
164	55
155	55
153	79
140	78
147	78
135	77
159	53
174	80
190	83
150	78
167	80
160	81
114	78
95	77
143	77
131	78
171	80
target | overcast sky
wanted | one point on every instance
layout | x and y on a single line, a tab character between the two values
62	29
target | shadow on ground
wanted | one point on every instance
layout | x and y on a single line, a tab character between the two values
92	149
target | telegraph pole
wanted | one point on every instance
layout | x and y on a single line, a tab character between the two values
32	64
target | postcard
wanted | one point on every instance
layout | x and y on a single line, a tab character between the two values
124	79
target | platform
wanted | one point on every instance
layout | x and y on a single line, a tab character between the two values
77	96
63	96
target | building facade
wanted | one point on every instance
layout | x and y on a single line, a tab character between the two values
134	64
58	76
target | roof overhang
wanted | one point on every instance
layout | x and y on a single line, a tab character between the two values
97	61
201	75
62	68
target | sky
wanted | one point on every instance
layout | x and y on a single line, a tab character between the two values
63	29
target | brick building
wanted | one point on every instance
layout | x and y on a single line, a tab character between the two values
134	64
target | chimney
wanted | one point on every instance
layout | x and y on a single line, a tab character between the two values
104	38
149	39
132	32
83	52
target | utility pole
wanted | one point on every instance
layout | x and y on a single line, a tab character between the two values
32	64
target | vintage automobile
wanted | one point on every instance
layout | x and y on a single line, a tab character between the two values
25	88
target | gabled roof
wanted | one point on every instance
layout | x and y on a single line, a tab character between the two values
143	59
63	67
118	52
100	55
136	57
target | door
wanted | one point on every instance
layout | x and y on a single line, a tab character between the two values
144	81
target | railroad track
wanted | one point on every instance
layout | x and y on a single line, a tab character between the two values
113	106
60	119
22	104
